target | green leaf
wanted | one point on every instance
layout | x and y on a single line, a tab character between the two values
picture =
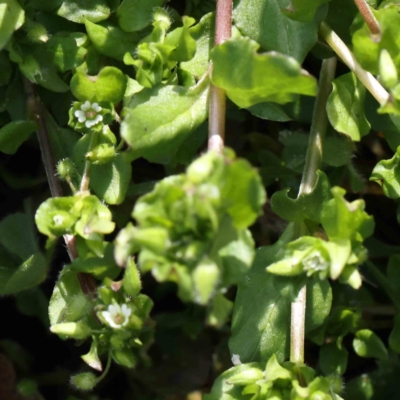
338	150
14	134
343	220
306	206
110	181
110	40
109	85
65	52
264	22
158	120
368	344
131	281
30	273
81	10
17	235
303	10
12	17
134	15
223	390
5	67
45	5
270	111
258	78
181	39
333	359
387	174
367	48
68	303
262	310
345	107
220	311
394	338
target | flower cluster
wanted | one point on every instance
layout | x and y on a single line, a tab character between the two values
90	116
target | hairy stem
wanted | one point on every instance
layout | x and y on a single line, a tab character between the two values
216	124
88	166
339	47
313	162
35	109
368	16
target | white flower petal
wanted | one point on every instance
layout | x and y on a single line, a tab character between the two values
88	123
126	311
98	118
109	319
114	309
86	106
80	115
236	359
96	107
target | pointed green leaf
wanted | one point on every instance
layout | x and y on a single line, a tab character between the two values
12	16
81	10
158	120
345	107
368	344
387	174
306	206
108	86
258	78
14	134
110	181
17	235
131	281
134	15
181	39
68	303
30	273
111	40
303	10
263	21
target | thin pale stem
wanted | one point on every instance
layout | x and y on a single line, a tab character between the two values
216	125
339	47
88	166
35	109
313	162
368	16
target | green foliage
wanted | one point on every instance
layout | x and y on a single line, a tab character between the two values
119	93
345	107
249	82
264	22
277	381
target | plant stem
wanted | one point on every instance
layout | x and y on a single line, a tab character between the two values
106	369
383	283
88	165
216	124
368	80
368	16
35	109
313	162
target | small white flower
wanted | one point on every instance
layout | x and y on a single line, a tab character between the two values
117	316
236	359
89	114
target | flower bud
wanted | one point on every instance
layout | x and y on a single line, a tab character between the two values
85	381
101	154
75	330
125	358
246	377
162	18
205	278
387	69
200	169
65	168
37	33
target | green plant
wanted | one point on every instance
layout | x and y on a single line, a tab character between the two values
169	231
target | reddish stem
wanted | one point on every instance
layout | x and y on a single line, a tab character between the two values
35	107
216	125
368	16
